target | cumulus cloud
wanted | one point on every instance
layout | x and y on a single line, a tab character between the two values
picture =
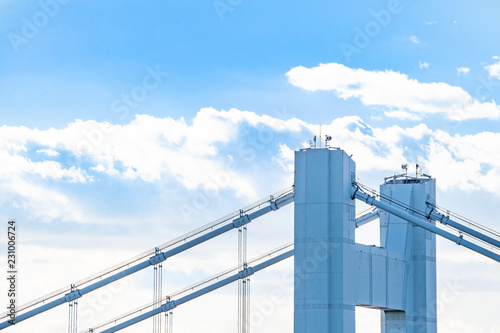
152	149
494	69
194	153
393	90
466	162
285	158
403	115
40	202
463	70
148	149
14	165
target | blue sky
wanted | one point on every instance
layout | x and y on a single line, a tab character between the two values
117	115
79	61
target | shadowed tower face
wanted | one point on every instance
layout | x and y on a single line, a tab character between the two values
333	274
324	242
419	248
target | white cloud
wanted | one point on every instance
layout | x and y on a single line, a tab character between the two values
430	22
463	70
285	158
423	65
152	149
48	152
393	90
466	162
372	148
414	39
20	177
494	69
14	165
403	115
40	202
148	148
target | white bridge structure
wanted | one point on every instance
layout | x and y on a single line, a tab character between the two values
332	273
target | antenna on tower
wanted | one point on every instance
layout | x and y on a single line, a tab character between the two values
405	168
320	135
328	138
416	167
312	143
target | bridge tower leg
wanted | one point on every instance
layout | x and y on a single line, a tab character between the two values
419	248
324	296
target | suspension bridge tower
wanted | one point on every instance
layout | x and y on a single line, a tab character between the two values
334	274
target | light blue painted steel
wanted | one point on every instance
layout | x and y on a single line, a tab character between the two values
190	288
273	205
447	221
410	218
418	246
380	278
333	274
324	294
172	304
367	218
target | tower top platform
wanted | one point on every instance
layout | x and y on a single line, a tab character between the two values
406	179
